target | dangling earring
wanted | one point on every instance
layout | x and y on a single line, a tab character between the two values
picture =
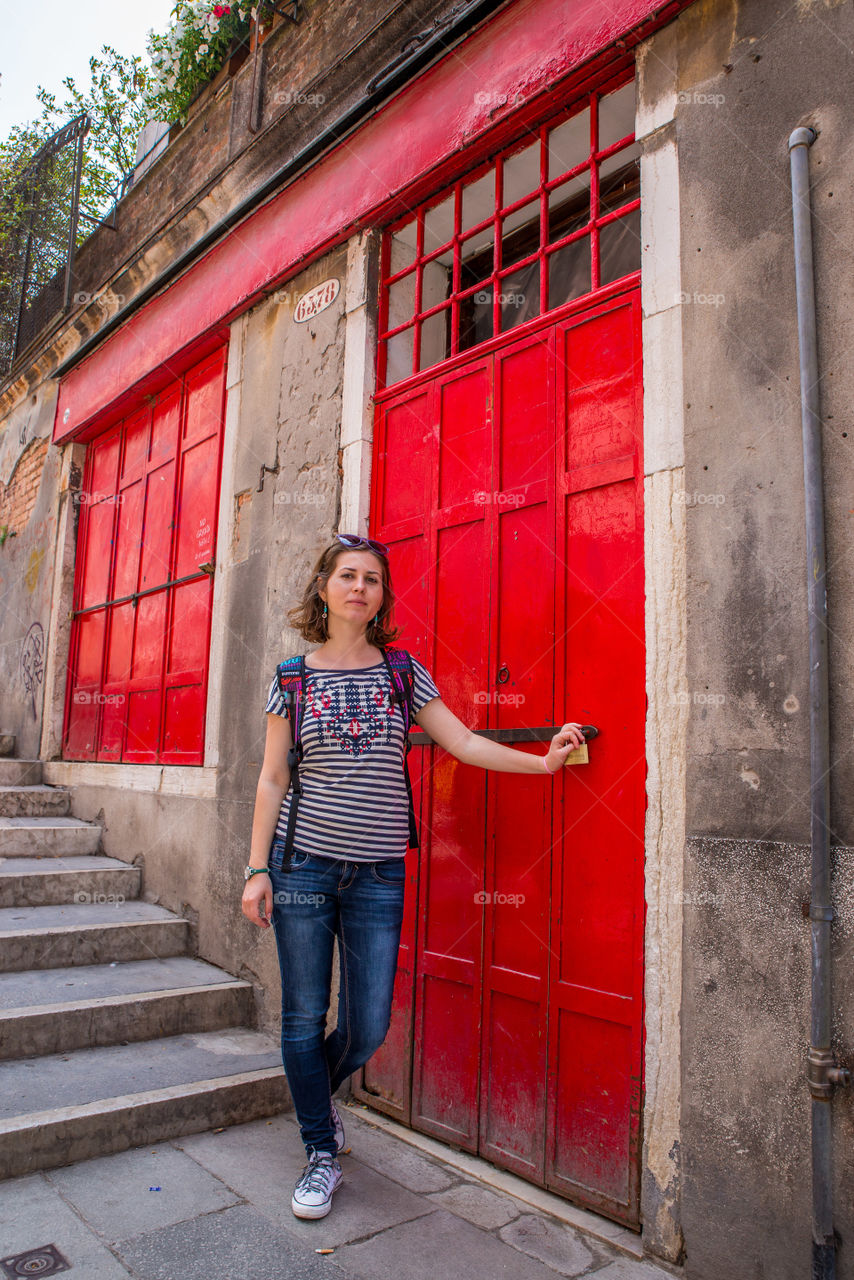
376	617
325	610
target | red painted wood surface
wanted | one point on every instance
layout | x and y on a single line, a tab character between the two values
139	666
448	115
510	489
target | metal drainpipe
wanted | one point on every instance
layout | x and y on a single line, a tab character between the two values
822	1072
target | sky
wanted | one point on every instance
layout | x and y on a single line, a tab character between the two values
45	42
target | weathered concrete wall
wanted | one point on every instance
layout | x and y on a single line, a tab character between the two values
747	74
30	481
311	73
665	582
190	829
746	1018
290	410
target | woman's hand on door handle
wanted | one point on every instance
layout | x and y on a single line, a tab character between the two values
567	739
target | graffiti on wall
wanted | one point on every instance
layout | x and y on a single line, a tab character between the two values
32	662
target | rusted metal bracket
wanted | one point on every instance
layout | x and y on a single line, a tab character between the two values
274	471
291	12
282	10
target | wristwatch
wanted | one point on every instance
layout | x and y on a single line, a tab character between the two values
249	872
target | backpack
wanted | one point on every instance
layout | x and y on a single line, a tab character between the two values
292	684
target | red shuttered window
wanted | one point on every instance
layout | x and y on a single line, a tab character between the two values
144	578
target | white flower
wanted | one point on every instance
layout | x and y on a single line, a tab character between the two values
203	47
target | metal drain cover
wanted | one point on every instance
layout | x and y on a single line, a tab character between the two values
44	1261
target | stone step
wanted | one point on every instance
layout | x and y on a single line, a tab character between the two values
7	744
89	1102
47	837
87	933
34	801
55	1010
19	773
38	882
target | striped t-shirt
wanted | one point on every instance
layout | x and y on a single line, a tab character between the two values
354	804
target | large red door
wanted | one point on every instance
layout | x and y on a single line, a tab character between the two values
510	489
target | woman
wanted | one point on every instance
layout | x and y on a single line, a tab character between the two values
347	867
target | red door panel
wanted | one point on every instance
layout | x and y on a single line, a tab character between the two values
520	692
596	983
511	493
404	443
387	1076
448	978
103	468
82	713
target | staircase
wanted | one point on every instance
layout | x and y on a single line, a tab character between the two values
111	1034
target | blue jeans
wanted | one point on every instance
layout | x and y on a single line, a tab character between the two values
360	903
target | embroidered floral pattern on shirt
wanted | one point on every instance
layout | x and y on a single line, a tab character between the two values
352	717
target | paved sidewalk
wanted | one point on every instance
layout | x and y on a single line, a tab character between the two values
216	1206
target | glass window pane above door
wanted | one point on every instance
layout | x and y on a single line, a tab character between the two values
617	115
569	144
516	236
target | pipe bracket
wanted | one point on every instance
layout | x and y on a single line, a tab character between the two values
823	1073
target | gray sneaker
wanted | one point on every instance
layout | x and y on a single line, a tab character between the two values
312	1196
339	1128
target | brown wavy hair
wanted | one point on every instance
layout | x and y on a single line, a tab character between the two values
307	618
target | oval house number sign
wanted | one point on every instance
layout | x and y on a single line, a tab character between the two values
316	300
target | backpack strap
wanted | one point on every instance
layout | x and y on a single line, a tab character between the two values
401	673
292	683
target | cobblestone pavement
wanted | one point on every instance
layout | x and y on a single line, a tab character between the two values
216	1206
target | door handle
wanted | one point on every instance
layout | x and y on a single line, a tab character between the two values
544	733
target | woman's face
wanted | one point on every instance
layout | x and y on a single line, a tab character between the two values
354	589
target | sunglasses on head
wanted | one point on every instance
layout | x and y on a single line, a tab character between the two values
354	542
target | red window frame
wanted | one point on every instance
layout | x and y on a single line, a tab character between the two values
143	588
590	164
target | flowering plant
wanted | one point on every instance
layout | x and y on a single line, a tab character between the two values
193	49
